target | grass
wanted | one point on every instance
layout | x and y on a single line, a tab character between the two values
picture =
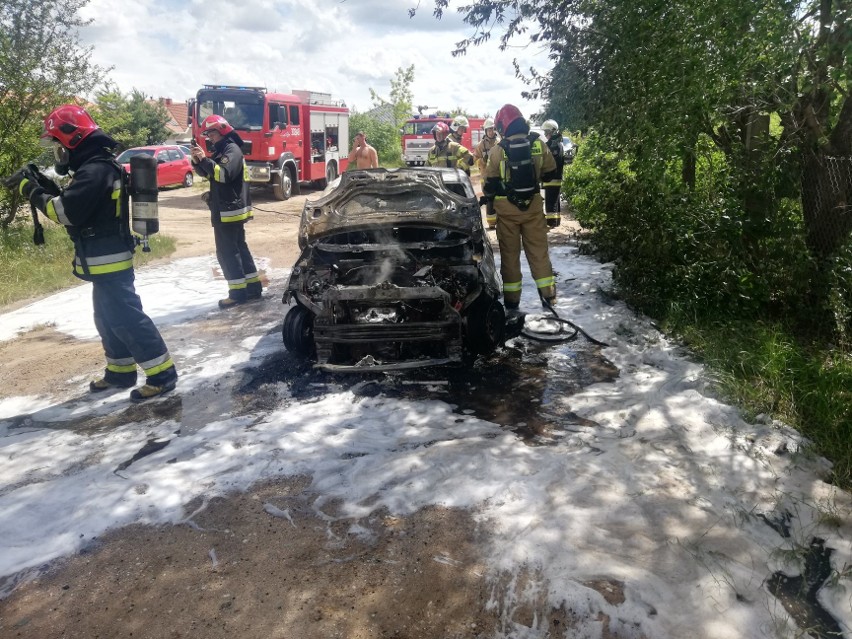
29	271
763	369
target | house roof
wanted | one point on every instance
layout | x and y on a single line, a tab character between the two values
177	111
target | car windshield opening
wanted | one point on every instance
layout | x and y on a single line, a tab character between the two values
366	202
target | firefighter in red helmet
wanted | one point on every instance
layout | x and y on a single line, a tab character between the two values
446	152
230	208
513	175
94	210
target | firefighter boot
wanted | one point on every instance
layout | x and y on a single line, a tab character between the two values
235	297
111	381
254	290
149	391
514	320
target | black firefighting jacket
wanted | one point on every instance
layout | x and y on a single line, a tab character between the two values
93	210
229	194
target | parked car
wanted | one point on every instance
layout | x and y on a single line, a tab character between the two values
395	272
173	165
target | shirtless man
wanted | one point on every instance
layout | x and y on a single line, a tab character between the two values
364	155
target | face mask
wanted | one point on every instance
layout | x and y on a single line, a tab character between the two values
61	158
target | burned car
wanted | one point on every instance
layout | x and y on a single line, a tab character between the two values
395	272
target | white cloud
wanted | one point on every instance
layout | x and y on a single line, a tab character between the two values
167	48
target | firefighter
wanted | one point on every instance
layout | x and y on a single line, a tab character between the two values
458	127
552	187
447	153
480	154
515	168
94	211
230	208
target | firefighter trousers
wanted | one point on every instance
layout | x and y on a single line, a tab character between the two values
235	259
516	228
490	215
128	335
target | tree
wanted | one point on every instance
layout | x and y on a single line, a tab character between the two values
384	136
42	65
400	95
130	119
655	76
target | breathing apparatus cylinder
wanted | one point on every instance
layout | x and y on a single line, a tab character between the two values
144	210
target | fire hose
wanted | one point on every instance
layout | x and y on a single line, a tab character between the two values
562	335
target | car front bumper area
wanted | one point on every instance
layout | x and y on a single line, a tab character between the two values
386	327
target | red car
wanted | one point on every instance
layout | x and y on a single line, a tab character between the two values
173	165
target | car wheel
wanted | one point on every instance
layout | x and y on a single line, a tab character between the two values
298	332
486	325
187	180
283	187
330	174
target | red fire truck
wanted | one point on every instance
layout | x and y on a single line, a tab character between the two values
417	136
288	138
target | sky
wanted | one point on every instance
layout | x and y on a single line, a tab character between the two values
664	487
170	48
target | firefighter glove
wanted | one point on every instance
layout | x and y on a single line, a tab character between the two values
553	222
483	200
17	181
24	181
50	187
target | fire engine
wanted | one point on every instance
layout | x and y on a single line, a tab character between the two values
417	136
288	139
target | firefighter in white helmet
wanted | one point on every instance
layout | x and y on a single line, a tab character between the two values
458	127
552	186
446	152
480	155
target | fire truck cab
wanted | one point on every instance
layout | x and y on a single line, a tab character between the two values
417	136
288	139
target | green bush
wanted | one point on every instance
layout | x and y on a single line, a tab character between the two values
733	276
696	248
28	271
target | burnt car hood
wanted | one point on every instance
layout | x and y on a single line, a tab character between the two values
368	199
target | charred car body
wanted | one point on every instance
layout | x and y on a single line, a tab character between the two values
395	272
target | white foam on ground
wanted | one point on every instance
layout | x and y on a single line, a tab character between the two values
664	494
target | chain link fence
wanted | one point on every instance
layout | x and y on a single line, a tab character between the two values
827	204
827	213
